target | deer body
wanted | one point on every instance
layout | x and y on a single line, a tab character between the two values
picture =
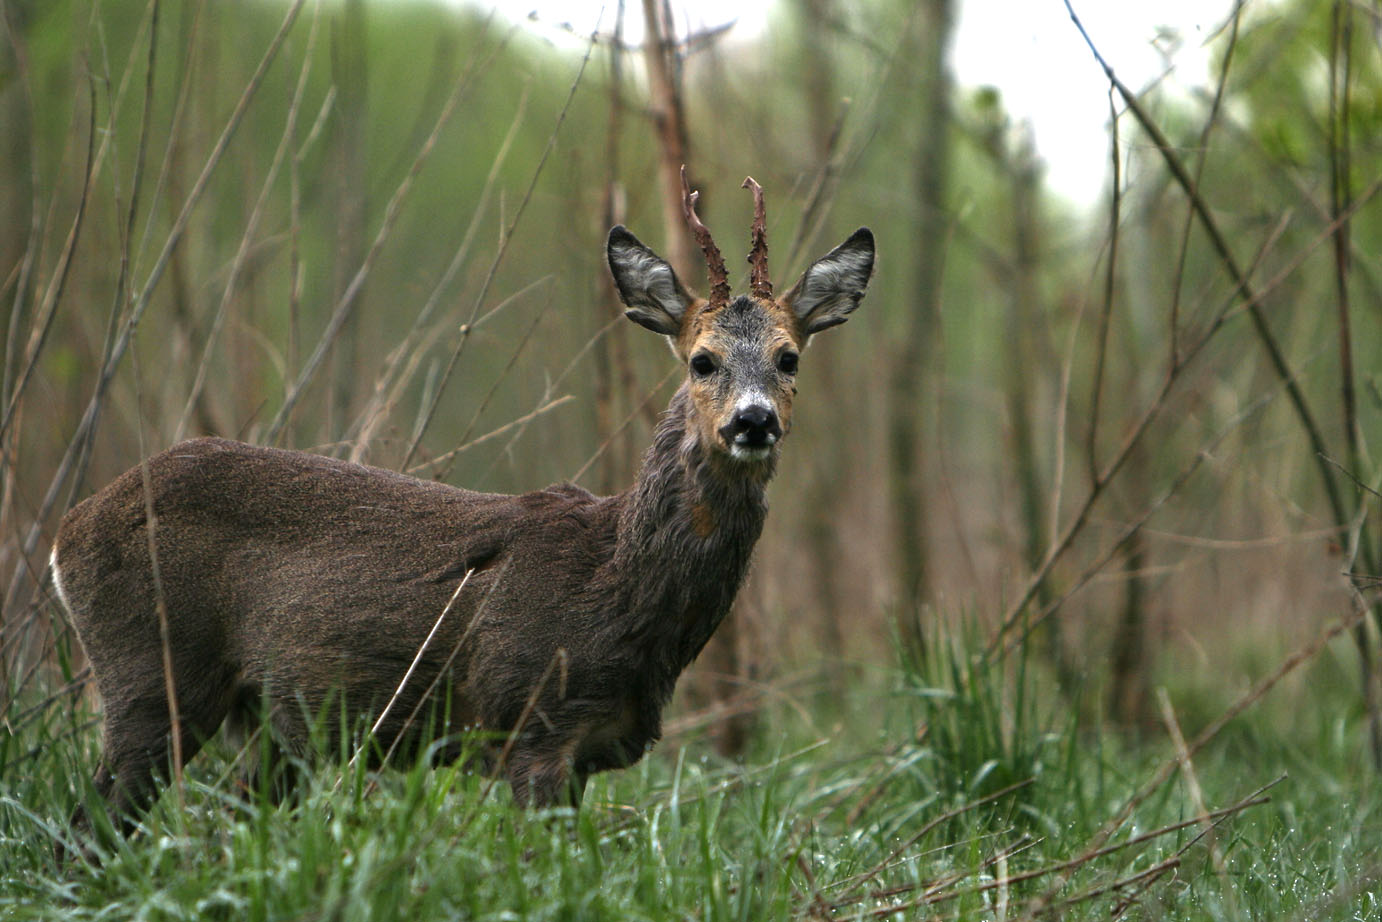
309	582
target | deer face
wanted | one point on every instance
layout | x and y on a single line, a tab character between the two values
742	368
741	355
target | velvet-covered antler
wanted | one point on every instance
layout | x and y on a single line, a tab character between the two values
714	262
759	282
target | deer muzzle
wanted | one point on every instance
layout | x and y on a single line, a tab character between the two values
752	431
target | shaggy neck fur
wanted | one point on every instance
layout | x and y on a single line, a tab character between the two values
686	534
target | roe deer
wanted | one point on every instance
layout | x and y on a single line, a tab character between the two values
303	582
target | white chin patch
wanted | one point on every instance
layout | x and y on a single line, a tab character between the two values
750	452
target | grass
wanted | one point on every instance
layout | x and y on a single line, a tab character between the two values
947	791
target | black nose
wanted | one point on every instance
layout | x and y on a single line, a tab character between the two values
753	426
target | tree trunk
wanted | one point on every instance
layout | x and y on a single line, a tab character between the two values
1022	382
669	123
821	500
1129	700
913	361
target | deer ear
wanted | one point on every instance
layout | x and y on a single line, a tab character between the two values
655	298
832	286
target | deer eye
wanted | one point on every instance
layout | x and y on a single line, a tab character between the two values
702	364
787	363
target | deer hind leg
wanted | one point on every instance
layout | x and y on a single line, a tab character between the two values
137	747
136	750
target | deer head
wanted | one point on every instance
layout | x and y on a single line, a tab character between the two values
741	353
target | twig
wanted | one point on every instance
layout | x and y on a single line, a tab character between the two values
53	297
1215	106
1144	878
647	399
1058	547
1106	314
557	664
445	671
859	880
492	434
1192	784
391	381
76	454
1252	696
1340	191
937	894
1241	281
345	306
25	268
242	253
170	689
503	374
295	271
13	724
504	240
408	674
1132	528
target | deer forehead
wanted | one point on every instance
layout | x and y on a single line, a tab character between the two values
746	331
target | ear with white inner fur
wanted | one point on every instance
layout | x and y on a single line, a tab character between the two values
655	298
832	286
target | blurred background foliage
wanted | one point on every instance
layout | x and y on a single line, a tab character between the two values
419	195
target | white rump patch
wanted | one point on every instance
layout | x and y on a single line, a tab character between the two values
57	581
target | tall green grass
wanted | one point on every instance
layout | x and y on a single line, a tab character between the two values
948	789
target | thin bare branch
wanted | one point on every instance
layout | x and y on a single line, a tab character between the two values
397	374
946	891
1133	527
1304	654
1192	785
1215	108
859	880
1340	168
252	225
444	673
77	453
26	265
345	306
53	296
633	414
170	689
662	62
1241	280
1110	280
492	434
499	379
1067	535
504	240
412	667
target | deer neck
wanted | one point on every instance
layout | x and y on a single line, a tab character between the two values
686	535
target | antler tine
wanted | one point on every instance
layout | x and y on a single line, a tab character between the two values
759	282
715	263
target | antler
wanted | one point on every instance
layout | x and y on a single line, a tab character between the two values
715	263
759	282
